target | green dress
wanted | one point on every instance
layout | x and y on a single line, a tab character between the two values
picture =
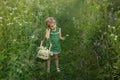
55	41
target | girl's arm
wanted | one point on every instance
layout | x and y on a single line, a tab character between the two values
47	35
60	35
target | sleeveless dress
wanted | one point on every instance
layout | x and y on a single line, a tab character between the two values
55	41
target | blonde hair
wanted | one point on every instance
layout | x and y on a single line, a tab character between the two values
49	21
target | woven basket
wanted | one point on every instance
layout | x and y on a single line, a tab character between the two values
43	52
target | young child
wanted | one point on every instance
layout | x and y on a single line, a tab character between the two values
53	33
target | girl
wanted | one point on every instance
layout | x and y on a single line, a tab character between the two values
53	33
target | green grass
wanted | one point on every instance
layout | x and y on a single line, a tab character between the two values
91	52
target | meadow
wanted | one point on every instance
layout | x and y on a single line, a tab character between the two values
90	52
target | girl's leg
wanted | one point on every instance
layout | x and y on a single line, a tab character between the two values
56	62
48	65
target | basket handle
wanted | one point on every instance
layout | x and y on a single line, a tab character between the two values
50	46
42	44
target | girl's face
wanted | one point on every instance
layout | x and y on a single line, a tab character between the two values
53	26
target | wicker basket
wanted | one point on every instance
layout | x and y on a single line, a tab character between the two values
43	52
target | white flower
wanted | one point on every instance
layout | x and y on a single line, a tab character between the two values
14	40
15	8
15	18
113	27
8	24
108	26
112	34
33	36
9	8
67	35
32	14
25	11
1	17
5	2
11	13
20	24
19	70
115	18
116	37
1	24
119	11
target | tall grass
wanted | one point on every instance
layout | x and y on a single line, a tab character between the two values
91	52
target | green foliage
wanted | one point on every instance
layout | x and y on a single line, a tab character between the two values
91	52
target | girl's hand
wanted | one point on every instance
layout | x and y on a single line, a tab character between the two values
47	35
62	38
